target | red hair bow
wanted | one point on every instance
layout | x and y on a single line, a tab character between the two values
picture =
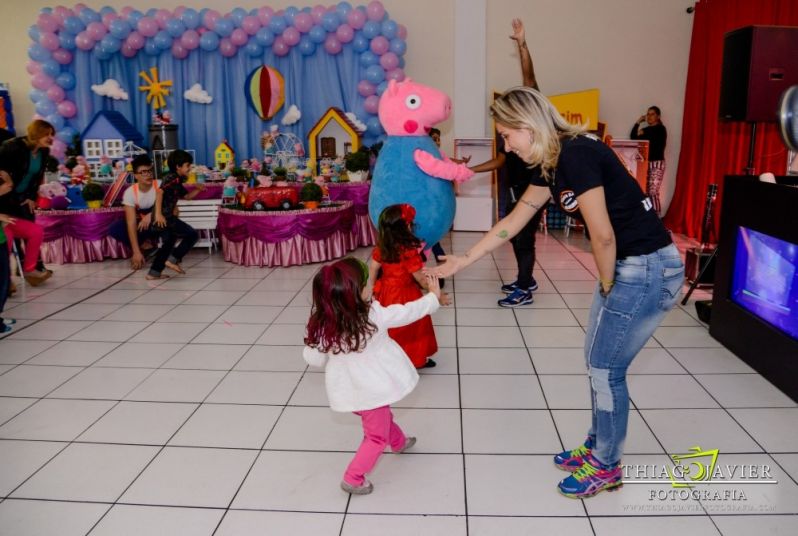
408	213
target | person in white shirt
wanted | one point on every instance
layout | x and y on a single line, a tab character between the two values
365	370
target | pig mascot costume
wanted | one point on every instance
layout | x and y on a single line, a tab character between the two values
410	168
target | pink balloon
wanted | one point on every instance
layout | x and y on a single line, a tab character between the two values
227	48
162	16
211	16
332	45
401	32
148	26
190	40
62	12
56	93
67	108
126	11
239	37
127	50
389	61
80	7
47	22
250	24
279	47
380	45
96	30
356	19
303	22
179	11
375	10
41	81
366	88
265	15
58	148
135	40
108	17
396	74
49	41
83	41
64	57
372	104
345	33
291	36
178	50
317	13
33	67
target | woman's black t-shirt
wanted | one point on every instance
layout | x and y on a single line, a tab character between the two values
586	163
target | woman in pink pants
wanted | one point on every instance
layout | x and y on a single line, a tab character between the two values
365	370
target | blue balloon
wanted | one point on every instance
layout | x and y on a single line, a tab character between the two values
224	27
306	46
237	15
36	52
190	18
67	40
88	15
45	107
111	44
209	41
100	53
343	9
389	29
253	49
277	25
372	29
290	13
175	27
369	58
253	12
56	120
398	46
163	40
46	10
74	25
375	74
151	48
134	17
330	21
66	81
106	10
264	37
373	126
51	68
381	87
152	12
33	33
401	63
36	95
360	43
66	134
317	34
119	28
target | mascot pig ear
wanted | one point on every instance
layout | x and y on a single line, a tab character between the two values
393	88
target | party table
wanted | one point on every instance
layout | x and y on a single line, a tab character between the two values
287	238
80	235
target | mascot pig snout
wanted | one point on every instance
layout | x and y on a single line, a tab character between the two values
411	109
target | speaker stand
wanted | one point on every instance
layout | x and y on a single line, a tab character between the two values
749	170
695	283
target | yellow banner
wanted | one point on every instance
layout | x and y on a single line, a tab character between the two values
580	107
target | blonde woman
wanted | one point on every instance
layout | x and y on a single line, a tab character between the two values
640	270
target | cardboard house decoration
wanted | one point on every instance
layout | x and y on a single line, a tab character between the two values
223	154
106	135
332	136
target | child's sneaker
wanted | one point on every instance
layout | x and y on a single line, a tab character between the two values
571	460
518	297
364	489
591	479
409	442
509	288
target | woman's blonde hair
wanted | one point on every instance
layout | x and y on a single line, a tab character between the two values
38	129
525	108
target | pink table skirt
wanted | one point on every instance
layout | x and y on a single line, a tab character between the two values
78	236
73	250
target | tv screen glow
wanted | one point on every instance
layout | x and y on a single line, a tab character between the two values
765	280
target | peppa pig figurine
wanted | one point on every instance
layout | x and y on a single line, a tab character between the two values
410	168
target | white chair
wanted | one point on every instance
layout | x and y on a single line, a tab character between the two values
202	215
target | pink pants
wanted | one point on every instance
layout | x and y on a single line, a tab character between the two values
379	430
32	234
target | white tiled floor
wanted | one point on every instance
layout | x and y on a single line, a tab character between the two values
184	407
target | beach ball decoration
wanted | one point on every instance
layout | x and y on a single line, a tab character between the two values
265	91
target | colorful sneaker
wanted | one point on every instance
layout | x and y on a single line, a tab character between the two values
591	479
509	288
571	460
518	297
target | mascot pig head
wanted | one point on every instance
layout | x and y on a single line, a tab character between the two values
410	109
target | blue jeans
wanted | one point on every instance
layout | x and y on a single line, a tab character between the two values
646	288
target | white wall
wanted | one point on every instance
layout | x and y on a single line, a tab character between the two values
634	51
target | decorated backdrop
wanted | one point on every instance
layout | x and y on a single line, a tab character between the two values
84	61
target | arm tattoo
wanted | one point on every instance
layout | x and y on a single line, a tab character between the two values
530	204
503	234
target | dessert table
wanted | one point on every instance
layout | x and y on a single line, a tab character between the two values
77	236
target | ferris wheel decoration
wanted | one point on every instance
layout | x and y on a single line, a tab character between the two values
285	149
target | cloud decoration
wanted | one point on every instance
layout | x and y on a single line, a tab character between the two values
110	88
361	126
196	94
291	116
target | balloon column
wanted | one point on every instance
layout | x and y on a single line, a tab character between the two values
60	33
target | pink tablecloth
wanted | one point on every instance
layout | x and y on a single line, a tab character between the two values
80	235
279	238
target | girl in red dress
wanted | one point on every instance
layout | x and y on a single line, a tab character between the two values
398	255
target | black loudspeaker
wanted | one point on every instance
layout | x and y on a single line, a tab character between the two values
759	64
